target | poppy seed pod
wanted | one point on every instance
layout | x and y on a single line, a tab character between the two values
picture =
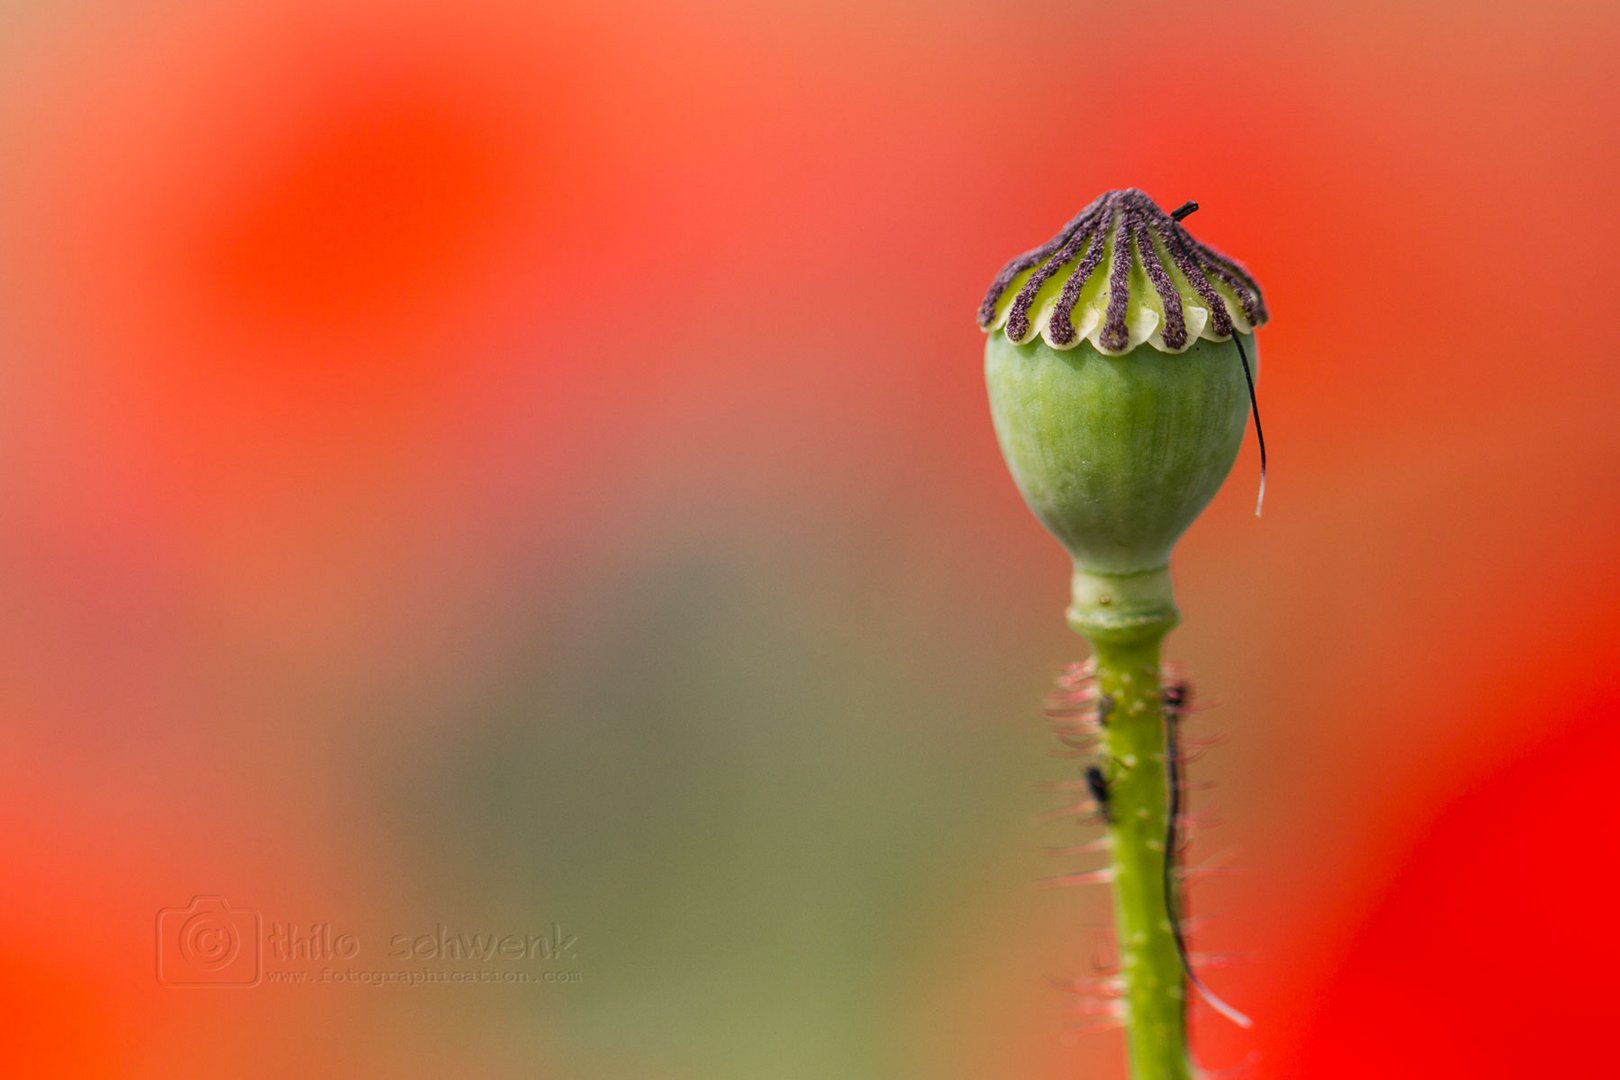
1119	397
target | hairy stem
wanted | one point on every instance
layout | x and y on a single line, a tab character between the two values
1125	618
1138	799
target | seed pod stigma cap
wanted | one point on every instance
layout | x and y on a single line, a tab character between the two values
1158	285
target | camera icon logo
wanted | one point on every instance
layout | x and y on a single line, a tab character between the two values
209	943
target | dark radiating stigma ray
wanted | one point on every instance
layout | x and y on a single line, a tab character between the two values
1219	317
1062	325
1175	323
1115	336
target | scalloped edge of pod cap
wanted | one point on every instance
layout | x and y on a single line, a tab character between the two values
1122	273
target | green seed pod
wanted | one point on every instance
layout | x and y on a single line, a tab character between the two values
1119	397
1118	366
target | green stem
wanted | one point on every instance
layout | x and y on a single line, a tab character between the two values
1125	618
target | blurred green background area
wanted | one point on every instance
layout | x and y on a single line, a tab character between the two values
765	830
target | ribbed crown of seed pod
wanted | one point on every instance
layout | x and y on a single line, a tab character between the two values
1120	274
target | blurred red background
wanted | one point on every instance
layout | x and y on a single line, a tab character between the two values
475	462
